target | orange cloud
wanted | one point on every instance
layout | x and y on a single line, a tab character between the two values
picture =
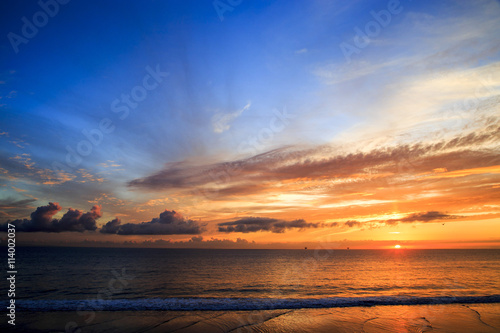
495	169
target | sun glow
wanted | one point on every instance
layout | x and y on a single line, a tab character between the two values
397	246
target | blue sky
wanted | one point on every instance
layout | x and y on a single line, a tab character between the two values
223	84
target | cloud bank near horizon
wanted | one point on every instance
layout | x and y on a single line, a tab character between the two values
173	223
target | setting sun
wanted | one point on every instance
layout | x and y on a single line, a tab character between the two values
397	246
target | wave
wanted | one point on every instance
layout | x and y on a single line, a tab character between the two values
216	304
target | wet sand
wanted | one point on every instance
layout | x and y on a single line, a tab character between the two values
414	318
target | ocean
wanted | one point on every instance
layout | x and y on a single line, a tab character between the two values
122	279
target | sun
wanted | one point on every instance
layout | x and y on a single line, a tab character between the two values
397	246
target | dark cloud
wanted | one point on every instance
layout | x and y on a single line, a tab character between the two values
111	227
424	217
42	221
169	223
351	224
254	224
432	216
75	220
41	218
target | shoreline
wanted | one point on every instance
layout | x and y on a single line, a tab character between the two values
480	317
242	304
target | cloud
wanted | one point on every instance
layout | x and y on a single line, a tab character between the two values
200	242
335	73
19	143
111	227
352	223
23	168
463	40
87	176
254	224
453	169
495	169
426	217
110	164
169	223
324	163
195	242
75	220
42	221
10	203
421	217
221	122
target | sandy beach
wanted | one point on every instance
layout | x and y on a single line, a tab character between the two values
415	318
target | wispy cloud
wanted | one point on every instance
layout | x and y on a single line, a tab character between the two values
254	224
420	217
327	182
438	44
109	164
495	169
11	203
291	166
87	176
21	167
221	122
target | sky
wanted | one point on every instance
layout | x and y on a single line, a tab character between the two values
250	124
